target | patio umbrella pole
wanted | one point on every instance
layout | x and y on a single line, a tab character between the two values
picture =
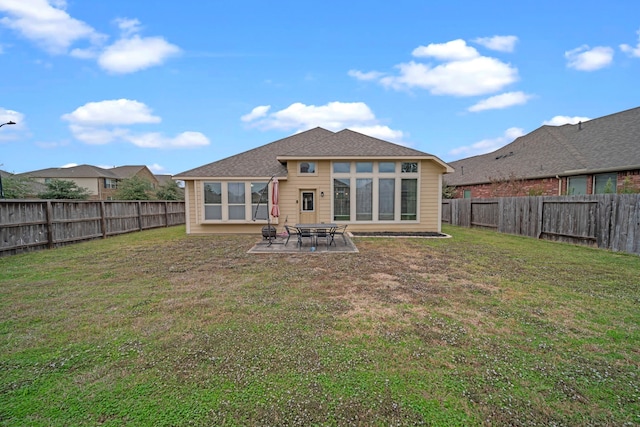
255	214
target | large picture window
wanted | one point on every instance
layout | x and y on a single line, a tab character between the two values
383	191
236	201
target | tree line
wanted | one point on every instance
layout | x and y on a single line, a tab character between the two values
134	188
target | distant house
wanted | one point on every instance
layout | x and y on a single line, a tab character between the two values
343	177
101	183
598	156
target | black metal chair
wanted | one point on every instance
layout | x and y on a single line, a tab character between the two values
340	231
304	232
290	233
323	233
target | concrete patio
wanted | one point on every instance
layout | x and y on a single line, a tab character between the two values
277	245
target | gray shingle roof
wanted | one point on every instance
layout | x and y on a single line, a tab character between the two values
607	143
315	143
80	171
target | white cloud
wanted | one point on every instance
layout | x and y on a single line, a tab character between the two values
157	169
371	75
12	116
379	131
256	113
501	101
103	122
488	145
127	26
563	120
47	24
477	76
631	50
157	140
585	58
334	116
499	43
455	50
462	71
135	54
112	112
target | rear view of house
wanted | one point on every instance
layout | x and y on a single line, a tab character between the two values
343	177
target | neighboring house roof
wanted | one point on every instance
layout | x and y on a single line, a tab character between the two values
80	171
124	172
269	159
606	144
87	171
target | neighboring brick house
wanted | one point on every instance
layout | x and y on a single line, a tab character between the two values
601	155
101	183
344	177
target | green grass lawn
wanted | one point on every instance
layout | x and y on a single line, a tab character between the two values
162	329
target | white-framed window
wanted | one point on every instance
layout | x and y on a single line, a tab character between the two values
577	185
384	191
605	183
306	167
110	183
235	201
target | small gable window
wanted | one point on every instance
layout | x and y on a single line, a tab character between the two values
307	167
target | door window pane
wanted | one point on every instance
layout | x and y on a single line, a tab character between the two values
307	201
341	200
364	199
386	198
409	200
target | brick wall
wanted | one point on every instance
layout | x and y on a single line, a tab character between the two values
541	187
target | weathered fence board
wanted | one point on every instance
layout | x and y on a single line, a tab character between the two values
608	221
27	225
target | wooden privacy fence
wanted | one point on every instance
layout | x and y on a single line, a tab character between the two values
608	221
27	225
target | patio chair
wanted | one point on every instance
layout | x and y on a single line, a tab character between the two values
323	233
340	231
290	233
304	232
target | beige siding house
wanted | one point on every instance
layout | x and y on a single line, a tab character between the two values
323	177
101	183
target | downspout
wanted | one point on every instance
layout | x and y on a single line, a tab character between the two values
559	185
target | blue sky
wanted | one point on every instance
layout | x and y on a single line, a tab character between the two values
175	85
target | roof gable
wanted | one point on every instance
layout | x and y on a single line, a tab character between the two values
267	160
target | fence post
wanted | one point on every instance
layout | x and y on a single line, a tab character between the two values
50	242
103	220
166	213
140	215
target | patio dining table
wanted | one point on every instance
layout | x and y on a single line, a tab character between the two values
313	230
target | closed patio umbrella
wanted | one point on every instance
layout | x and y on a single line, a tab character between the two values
275	209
